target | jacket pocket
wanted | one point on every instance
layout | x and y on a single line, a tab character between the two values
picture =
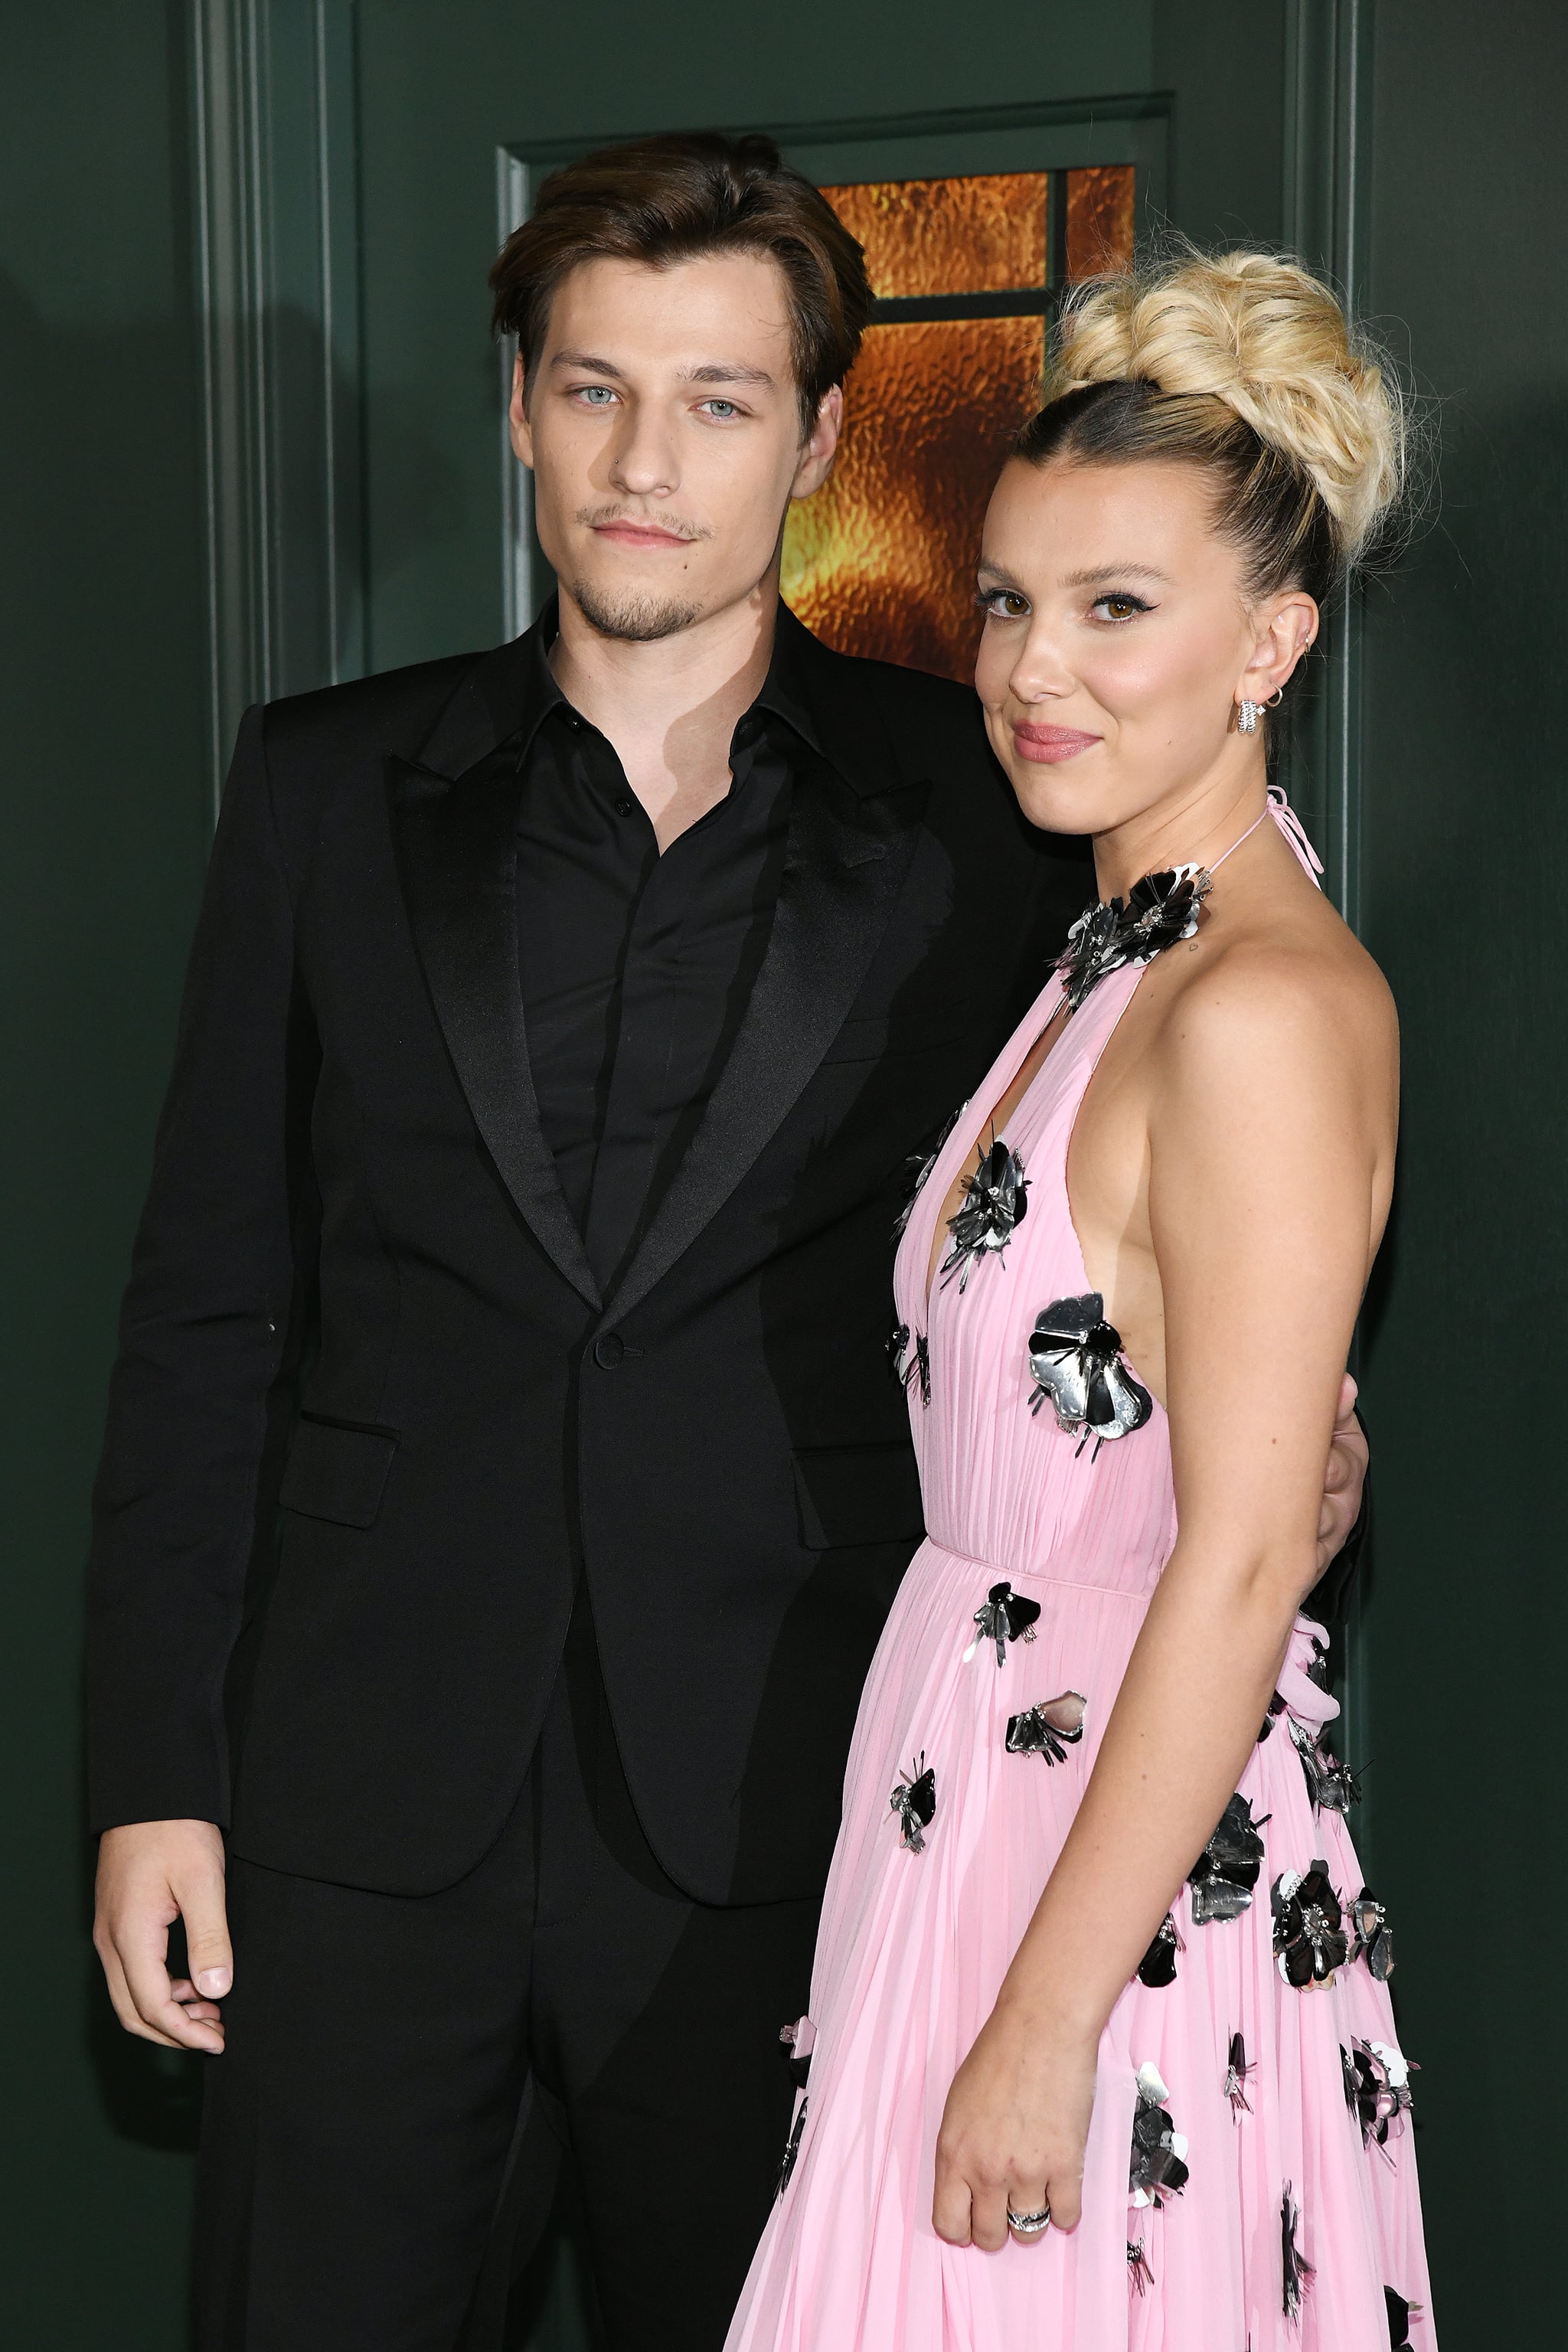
337	1471
857	1495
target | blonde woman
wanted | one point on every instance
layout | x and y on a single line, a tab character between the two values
1100	2051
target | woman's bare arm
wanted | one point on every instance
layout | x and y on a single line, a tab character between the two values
1270	1139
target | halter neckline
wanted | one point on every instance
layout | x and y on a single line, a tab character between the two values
1292	829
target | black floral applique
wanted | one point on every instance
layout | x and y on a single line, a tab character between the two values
1157	1969
910	1364
922	1162
1138	2271
791	2147
995	1202
1399	2314
1237	2067
1075	1358
1373	1936
1275	1709
914	1801
1377	2088
1001	1617
1158	2169
1225	1873
1157	913
1299	2273
1308	1937
1049	1730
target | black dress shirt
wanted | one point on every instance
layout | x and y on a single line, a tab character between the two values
635	968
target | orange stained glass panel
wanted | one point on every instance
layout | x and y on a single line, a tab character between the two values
881	560
975	236
1101	219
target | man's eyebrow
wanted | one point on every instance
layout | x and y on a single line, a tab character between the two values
728	372
588	361
1104	572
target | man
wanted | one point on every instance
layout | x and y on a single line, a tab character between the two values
503	1467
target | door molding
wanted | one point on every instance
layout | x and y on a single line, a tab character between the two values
1328	93
274	139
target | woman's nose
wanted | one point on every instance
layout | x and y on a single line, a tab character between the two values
1040	674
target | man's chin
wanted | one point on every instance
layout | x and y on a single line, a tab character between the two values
634	617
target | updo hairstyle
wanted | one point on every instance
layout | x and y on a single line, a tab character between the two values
1245	364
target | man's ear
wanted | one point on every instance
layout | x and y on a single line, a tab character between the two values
517	416
818	448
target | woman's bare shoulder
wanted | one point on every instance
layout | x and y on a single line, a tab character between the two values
1281	986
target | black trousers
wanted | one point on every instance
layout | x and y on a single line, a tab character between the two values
360	2133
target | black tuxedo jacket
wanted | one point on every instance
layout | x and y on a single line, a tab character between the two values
371	1417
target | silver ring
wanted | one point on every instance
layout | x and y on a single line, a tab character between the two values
1029	2225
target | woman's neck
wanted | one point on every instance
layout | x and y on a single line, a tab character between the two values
1193	826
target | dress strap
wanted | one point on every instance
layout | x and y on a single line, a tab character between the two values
1295	834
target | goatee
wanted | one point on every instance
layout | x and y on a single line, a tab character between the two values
634	620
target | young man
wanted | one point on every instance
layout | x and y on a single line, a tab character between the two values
503	1465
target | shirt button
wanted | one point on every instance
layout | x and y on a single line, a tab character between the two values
625	808
609	1350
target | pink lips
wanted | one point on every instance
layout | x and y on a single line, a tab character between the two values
633	534
1051	745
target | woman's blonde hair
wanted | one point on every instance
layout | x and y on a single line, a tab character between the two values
1245	364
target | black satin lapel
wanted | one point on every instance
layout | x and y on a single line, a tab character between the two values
843	869
457	858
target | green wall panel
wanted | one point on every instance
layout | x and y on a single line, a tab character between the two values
102	691
1464	822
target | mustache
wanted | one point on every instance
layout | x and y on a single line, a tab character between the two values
596	519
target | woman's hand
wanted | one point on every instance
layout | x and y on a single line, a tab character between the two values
1015	2128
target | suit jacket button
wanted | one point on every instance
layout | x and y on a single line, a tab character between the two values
609	1350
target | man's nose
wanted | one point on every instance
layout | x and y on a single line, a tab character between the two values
642	460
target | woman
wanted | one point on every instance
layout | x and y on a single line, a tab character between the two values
1096	1947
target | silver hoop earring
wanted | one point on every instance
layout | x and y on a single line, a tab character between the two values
1275	700
1247	718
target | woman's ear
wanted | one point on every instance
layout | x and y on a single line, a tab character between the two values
1286	627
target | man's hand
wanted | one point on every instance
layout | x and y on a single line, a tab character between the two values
151	1874
1348	1456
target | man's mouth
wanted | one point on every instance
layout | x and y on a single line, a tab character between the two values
627	533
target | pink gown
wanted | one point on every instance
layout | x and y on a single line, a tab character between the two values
1298	2222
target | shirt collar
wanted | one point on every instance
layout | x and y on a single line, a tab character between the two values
781	693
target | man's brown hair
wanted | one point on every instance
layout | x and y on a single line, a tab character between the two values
672	198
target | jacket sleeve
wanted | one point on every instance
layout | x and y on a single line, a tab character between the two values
204	1338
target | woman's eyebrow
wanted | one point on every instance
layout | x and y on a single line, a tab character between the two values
1103	572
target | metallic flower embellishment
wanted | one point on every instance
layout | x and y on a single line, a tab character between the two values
791	2147
1155	914
1307	1928
1157	1968
1001	1617
1075	1358
914	1801
922	1162
1049	1730
1377	2087
1297	2272
995	1199
1225	1873
910	1364
1329	1782
1157	2169
1373	1936
1237	2067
